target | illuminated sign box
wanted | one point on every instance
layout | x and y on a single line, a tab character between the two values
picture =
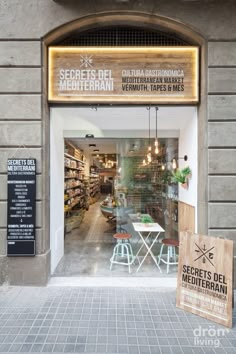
167	75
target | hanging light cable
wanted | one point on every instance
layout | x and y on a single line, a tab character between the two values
149	129
156	141
149	153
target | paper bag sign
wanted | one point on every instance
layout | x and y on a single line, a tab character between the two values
205	272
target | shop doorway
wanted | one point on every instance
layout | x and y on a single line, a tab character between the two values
113	177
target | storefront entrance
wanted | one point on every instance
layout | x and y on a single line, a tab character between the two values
98	171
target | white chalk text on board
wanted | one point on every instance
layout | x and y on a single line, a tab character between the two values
120	74
21	207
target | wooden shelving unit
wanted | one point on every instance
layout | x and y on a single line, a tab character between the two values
74	194
94	187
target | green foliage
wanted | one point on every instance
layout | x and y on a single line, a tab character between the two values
146	219
186	171
179	176
166	177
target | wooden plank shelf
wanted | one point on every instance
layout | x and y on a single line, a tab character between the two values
74	168
65	189
73	196
73	158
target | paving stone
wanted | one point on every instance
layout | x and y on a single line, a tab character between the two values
101	348
15	348
79	348
26	348
36	348
87	320
69	348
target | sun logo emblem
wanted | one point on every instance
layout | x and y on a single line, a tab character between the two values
86	61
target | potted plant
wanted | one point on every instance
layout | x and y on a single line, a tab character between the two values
187	172
181	176
146	219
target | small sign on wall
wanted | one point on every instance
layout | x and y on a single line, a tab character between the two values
124	74
21	207
205	277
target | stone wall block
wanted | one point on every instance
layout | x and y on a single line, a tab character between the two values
29	271
20	133
222	215
17	80
20	53
3	242
20	107
220	163
221	53
3	269
222	107
222	134
222	188
222	80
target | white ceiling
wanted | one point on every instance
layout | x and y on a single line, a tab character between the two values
121	121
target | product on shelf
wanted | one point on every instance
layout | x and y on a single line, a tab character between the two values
74	187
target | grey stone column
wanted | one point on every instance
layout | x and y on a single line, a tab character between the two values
21	124
222	140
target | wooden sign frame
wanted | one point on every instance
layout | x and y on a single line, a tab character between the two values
205	277
131	75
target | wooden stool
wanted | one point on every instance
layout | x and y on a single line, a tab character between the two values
123	249
171	244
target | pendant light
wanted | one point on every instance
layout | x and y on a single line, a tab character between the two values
149	129
156	141
174	164
149	157
149	153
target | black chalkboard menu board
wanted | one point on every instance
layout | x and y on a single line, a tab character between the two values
21	207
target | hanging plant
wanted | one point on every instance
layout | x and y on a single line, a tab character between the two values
187	172
182	176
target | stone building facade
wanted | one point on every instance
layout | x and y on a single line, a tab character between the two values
27	27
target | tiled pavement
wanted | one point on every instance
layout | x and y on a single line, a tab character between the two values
104	320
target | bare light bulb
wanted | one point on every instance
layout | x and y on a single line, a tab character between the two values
156	142
149	157
144	162
174	164
156	150
149	148
163	167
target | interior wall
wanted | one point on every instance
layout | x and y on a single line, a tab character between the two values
56	189
188	146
